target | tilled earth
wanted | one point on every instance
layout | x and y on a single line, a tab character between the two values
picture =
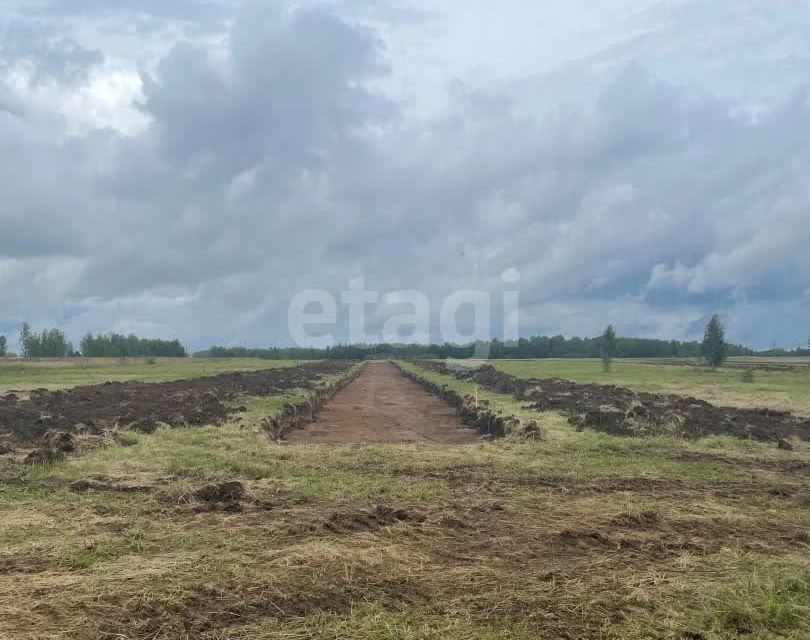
142	406
621	411
382	405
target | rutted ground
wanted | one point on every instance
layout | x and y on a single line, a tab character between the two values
219	534
785	389
621	411
57	415
381	405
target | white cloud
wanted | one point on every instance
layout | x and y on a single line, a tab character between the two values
666	277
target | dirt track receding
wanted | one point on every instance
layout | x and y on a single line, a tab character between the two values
382	405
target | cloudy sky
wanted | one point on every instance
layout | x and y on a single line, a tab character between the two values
185	167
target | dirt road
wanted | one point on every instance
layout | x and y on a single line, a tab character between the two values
382	405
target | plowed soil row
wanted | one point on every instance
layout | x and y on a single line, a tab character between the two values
141	406
622	411
382	405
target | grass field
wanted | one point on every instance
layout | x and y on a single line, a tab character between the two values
579	535
786	390
24	375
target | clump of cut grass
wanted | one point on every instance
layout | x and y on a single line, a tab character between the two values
638	515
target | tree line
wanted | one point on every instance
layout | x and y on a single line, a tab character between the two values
524	348
115	345
52	343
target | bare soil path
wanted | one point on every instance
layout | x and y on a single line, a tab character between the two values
382	405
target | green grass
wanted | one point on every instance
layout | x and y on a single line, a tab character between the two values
588	455
786	390
133	541
761	605
742	596
24	375
194	455
274	573
374	622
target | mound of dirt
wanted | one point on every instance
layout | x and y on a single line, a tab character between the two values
621	411
144	406
366	520
55	444
221	492
570	537
222	496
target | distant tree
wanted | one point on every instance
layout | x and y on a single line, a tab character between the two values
25	339
608	347
714	343
496	349
3	350
51	343
86	344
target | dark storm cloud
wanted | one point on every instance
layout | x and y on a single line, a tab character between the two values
280	99
226	178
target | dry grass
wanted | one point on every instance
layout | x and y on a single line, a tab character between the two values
565	561
579	536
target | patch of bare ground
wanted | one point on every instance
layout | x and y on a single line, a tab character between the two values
382	405
25	563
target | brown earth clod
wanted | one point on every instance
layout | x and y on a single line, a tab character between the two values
220	492
367	519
